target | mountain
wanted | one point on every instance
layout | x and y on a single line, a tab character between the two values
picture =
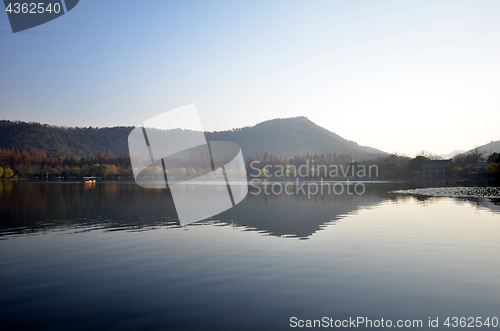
493	146
55	140
452	154
287	137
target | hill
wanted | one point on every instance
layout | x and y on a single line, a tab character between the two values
287	137
489	148
452	154
64	141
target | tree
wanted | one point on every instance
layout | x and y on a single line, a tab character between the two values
390	169
1	171
127	172
67	171
415	163
95	170
105	170
158	171
495	157
8	173
182	172
289	171
192	173
264	172
100	157
458	172
470	158
54	172
494	168
76	171
429	155
113	170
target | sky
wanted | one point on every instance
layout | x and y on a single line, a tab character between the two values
400	76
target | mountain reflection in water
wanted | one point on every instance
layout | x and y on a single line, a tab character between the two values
32	207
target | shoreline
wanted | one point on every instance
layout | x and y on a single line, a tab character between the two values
454	192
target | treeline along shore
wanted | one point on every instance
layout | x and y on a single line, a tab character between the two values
37	165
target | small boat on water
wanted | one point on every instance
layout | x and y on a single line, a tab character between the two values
89	179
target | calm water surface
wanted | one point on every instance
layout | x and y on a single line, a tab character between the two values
111	256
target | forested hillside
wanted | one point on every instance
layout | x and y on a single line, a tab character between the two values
291	136
64	141
286	137
492	147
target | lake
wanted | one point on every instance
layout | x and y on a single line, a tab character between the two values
111	256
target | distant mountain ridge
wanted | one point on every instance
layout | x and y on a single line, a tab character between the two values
64	141
287	137
486	149
452	154
491	147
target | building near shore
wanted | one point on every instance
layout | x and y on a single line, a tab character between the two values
479	176
434	173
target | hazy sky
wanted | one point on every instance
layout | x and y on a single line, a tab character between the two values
395	75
